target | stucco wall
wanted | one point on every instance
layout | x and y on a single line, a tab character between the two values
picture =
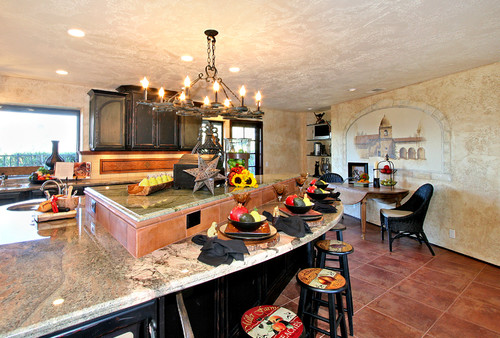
468	198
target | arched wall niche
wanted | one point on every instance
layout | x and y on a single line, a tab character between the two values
417	129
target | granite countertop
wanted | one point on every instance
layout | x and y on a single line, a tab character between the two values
94	274
140	208
23	184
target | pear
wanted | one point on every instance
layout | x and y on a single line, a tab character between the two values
152	181
144	183
307	201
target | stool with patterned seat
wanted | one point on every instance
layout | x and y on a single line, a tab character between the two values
315	282
340	250
271	321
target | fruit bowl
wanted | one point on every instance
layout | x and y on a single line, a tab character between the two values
299	210
318	197
388	183
247	226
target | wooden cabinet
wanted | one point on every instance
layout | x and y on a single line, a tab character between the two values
189	127
148	129
140	321
106	120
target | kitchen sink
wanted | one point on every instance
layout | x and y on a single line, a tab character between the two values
11	185
25	206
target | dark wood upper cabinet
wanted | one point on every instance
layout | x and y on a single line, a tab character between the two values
147	128
118	122
106	120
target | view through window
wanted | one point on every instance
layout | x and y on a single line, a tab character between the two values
26	134
252	131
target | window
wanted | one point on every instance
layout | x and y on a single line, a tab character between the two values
26	133
253	131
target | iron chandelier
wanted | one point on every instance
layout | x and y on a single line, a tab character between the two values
184	105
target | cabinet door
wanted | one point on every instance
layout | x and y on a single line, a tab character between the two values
189	127
107	120
143	125
166	130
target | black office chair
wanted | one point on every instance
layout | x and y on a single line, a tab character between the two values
408	219
331	178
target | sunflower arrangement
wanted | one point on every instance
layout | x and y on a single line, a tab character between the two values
241	177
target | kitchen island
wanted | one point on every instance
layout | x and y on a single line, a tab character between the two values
64	276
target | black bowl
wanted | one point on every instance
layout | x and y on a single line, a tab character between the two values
318	197
321	186
246	226
298	210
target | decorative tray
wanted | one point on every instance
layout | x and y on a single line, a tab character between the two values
136	189
266	231
311	215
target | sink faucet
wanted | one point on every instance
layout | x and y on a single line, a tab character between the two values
60	185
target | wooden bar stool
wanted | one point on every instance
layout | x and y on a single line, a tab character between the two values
315	282
340	250
271	321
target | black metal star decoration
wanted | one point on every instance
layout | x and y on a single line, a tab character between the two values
205	174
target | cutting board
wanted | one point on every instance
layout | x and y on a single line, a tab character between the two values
50	216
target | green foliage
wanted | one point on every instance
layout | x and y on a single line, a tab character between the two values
32	159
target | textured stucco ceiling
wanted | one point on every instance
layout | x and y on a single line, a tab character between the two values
300	54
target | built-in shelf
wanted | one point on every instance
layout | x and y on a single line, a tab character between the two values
319	139
318	124
319	155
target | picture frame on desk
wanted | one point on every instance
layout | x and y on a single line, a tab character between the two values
355	169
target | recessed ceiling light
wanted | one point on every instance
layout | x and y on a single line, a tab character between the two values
58	301
309	109
77	33
234	69
61	72
187	58
352	89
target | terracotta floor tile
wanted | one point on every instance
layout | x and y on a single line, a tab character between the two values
369	323
424	293
379	277
477	312
364	256
412	257
449	326
292	290
490	276
451	267
484	293
440	279
462	259
364	292
282	299
408	311
395	265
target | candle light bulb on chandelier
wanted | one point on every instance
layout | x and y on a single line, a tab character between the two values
216	89
206	102
182	97
161	93
145	84
258	99
226	103
187	84
242	94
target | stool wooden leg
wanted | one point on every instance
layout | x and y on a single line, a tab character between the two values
344	266
340	309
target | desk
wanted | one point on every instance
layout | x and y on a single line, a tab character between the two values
349	194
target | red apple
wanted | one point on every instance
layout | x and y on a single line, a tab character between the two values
311	189
289	199
237	212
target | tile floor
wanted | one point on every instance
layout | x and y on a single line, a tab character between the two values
410	293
